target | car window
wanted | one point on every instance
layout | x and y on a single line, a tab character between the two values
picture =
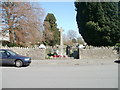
0	53
11	53
3	54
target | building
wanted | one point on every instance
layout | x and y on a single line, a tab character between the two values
4	36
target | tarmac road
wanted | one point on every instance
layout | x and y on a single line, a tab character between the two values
61	76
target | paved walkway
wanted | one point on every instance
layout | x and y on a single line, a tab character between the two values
75	61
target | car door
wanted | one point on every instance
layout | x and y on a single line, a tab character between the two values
10	59
0	58
6	59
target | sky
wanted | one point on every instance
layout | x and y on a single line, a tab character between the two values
64	12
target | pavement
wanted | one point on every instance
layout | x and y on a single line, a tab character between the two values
62	74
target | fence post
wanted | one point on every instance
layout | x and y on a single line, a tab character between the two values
79	51
118	52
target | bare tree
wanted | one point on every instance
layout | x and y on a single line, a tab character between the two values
72	34
80	40
24	21
66	39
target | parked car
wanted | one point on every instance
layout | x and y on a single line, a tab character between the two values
8	57
117	61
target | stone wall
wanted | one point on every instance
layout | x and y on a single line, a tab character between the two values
34	53
98	53
88	53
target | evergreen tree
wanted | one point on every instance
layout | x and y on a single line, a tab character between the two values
98	22
51	20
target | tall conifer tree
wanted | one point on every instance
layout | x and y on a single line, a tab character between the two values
98	22
51	20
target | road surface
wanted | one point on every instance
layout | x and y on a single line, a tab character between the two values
61	76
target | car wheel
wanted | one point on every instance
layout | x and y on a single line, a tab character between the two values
18	63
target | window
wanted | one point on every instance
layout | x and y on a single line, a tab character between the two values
3	54
9	52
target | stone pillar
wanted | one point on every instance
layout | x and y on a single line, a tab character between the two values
61	41
118	52
79	51
68	51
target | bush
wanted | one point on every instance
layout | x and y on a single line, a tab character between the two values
117	44
9	44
